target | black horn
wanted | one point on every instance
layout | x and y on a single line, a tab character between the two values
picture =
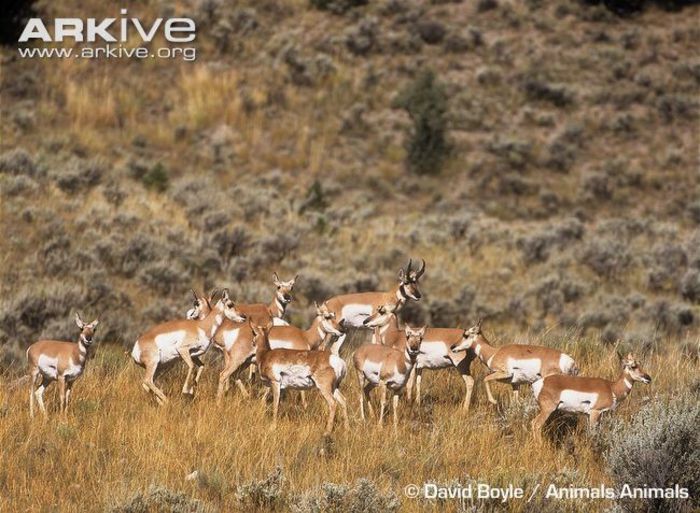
420	271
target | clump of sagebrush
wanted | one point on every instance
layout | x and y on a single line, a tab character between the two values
659	448
266	494
159	499
362	497
425	101
337	6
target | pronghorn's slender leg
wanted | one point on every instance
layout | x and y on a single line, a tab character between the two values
419	377
61	393
187	358
469	384
491	377
363	394
330	399
230	367
198	374
538	423
69	388
149	385
382	401
395	407
366	390
39	394
275	402
251	372
343	406
410	383
516	393
32	386
593	419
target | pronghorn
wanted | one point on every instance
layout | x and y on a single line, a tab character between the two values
387	367
435	352
260	313
52	360
236	342
201	306
355	308
187	339
286	368
591	396
515	363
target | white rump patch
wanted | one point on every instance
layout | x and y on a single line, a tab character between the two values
371	370
293	375
355	314
167	344
48	366
525	370
566	363
575	401
278	321
433	355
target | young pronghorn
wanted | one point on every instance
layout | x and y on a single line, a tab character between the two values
515	363
236	342
591	396
301	370
355	308
435	352
259	313
52	360
387	367
187	339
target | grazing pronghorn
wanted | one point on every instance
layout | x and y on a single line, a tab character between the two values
187	339
355	308
53	360
435	352
301	370
387	367
591	396
236	342
259	313
515	363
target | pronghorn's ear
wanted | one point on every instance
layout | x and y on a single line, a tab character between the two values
224	295
422	330
93	324
275	278
79	321
402	275
294	280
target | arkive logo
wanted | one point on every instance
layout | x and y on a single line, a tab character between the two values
109	30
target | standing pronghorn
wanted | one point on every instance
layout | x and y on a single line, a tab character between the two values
287	368
52	360
187	339
259	313
355	308
387	367
515	363
435	352
591	396
236	342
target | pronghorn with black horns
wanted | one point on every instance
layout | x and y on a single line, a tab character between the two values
300	370
387	368
590	396
516	364
435	352
54	360
355	308
236	342
186	339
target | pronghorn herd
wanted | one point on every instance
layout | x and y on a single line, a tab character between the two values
287	357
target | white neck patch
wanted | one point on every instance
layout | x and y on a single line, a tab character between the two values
628	384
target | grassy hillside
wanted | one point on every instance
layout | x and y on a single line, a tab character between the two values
566	209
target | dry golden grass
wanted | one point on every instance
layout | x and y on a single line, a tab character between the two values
115	441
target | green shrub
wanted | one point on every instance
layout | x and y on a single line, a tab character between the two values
425	101
337	6
659	448
266	494
363	497
156	178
